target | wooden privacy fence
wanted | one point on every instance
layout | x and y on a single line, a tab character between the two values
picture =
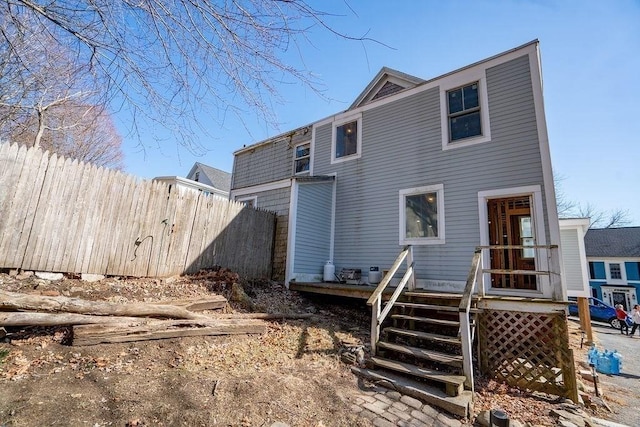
62	215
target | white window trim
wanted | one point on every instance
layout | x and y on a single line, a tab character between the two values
453	82
254	199
623	272
295	159
356	118
403	240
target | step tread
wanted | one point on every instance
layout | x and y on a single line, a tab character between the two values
424	335
434	295
452	308
406	368
442	322
456	405
434	356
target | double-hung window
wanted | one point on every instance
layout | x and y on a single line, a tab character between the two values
302	158
463	106
464	111
346	141
615	271
422	215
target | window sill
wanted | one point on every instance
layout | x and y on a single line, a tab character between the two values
466	142
345	158
421	242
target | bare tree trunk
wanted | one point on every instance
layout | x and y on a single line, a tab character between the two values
10	301
60	319
36	141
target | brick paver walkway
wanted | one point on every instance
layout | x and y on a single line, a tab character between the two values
389	409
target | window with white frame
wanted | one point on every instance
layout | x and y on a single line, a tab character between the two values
464	109
463	106
346	140
251	201
422	215
302	158
615	272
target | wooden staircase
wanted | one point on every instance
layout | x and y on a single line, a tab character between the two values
422	343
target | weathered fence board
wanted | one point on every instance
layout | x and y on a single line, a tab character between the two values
62	215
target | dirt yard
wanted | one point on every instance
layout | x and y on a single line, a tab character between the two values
291	374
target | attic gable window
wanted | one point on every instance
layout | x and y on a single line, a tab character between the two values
302	158
346	140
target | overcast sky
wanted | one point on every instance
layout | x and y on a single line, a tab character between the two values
590	63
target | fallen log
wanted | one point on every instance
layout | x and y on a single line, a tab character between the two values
264	316
213	302
10	301
58	319
161	329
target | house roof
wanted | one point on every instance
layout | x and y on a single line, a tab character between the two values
376	89
219	178
613	242
387	82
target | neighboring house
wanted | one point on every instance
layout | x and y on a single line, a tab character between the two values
445	165
613	255
202	178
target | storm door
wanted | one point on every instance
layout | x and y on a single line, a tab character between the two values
511	224
620	298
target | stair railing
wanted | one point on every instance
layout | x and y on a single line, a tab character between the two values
464	310
378	314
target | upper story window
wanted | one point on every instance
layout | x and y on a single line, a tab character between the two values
346	141
250	201
614	271
302	158
464	112
197	177
422	215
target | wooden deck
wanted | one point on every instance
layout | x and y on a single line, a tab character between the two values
338	289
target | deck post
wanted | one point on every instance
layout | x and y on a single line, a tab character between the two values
375	325
412	279
467	351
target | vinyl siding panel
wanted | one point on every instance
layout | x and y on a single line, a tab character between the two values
571	260
402	148
313	227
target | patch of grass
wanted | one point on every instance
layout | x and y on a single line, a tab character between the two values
3	354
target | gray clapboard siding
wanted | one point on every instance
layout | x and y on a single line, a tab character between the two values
402	148
571	261
60	215
313	227
270	161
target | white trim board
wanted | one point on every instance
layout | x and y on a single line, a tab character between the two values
283	183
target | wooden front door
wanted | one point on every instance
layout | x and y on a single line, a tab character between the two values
511	223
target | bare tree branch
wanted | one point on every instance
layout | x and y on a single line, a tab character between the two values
168	62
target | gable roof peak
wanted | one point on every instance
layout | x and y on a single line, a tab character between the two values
387	82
